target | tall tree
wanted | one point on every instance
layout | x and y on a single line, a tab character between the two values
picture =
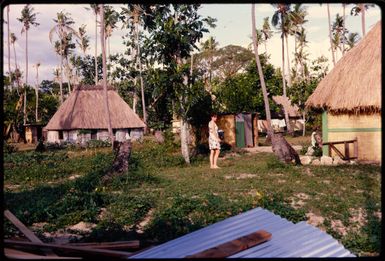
96	10
110	20
64	31
267	33
280	146
105	91
84	40
177	29
208	48
13	40
37	65
360	9
330	35
9	46
352	40
280	21
27	18
344	28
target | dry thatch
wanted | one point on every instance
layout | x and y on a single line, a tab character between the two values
292	110
84	109
354	84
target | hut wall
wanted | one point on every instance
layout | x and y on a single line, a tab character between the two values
136	134
120	135
102	135
70	136
53	136
227	124
367	129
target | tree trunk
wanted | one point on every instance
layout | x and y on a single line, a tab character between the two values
304	123
141	77
96	48
61	79
9	47
280	146
284	88
184	134
135	97
37	93
343	30
288	63
362	7
105	92
26	77
330	36
122	151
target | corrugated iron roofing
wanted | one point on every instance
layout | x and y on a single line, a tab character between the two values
288	239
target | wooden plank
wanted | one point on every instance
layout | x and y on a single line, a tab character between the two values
355	144
18	254
234	246
28	233
81	251
338	142
347	155
134	244
337	151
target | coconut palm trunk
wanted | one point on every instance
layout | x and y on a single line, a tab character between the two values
362	7
260	73
330	36
140	76
343	29
105	92
9	47
37	93
284	87
26	78
61	79
281	148
96	47
288	62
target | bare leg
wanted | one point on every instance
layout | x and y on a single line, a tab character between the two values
216	155
212	152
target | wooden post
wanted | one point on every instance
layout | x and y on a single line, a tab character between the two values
355	144
347	156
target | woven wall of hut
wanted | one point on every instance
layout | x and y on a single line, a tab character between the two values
365	127
227	124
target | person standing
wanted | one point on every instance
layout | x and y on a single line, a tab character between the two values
214	142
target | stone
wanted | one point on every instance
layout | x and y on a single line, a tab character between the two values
316	162
326	160
310	151
353	162
337	160
306	160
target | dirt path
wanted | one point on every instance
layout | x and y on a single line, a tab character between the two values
268	149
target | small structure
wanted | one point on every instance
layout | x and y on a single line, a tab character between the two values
287	239
82	117
350	96
33	132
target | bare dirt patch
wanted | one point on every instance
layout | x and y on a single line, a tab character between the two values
314	219
82	227
241	176
145	221
339	227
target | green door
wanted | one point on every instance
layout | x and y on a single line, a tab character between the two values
240	131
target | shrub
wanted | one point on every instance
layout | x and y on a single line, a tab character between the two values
9	148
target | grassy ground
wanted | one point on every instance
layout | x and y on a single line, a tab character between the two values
160	198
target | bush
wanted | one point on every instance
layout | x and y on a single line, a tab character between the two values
8	148
98	143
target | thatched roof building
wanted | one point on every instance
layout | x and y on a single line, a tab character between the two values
84	110
350	95
354	84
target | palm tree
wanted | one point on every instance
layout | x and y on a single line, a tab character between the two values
209	47
28	18
330	35
96	9
37	65
102	39
64	32
260	72
13	40
360	8
297	17
280	21
267	33
343	30
84	40
352	39
110	19
9	46
338	33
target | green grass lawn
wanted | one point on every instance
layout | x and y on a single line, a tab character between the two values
61	188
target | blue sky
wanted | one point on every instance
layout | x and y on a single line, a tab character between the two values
233	27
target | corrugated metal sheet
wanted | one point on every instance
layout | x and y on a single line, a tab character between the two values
288	239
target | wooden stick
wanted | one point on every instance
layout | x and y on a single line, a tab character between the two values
234	246
82	251
17	254
28	233
134	244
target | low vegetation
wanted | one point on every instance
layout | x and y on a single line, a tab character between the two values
161	198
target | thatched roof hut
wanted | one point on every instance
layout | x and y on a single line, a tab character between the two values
350	95
354	84
84	110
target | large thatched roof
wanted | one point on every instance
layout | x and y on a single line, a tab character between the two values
354	84
84	109
292	110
